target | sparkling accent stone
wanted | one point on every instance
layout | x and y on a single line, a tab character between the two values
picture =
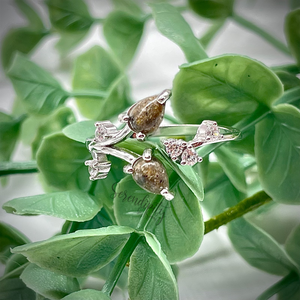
208	130
104	130
174	147
100	133
151	176
98	167
146	115
190	157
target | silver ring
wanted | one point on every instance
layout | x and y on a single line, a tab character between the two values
144	118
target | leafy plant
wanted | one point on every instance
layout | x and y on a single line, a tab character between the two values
113	229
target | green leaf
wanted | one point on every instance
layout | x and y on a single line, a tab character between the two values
177	224
288	80
292	245
69	40
79	253
290	290
220	195
277	142
233	168
69	15
171	24
9	132
294	4
15	288
292	32
53	123
129	6
94	70
30	127
40	92
101	219
285	288
10	237
123	32
61	162
33	18
245	144
104	272
212	31
225	89
118	99
21	40
258	248
14	262
70	205
80	131
87	295
104	187
150	274
47	283
212	9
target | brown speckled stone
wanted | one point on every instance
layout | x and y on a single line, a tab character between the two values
151	176
146	115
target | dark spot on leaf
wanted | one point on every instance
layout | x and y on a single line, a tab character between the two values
58	257
248	75
216	65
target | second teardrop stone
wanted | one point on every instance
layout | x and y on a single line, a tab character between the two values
146	115
150	175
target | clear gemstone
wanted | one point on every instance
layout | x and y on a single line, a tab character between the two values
100	133
189	157
208	130
175	147
93	172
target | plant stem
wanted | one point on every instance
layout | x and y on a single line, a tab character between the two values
9	167
278	286
237	211
88	94
121	262
92	188
262	33
209	35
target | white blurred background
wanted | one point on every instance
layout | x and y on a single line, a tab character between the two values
216	272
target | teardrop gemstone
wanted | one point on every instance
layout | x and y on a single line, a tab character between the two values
146	115
150	175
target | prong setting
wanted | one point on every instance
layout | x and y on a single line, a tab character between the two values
123	117
147	155
164	96
166	194
128	169
140	136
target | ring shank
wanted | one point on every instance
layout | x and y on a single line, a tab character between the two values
229	133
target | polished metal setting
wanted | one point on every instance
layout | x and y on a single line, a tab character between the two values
144	119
